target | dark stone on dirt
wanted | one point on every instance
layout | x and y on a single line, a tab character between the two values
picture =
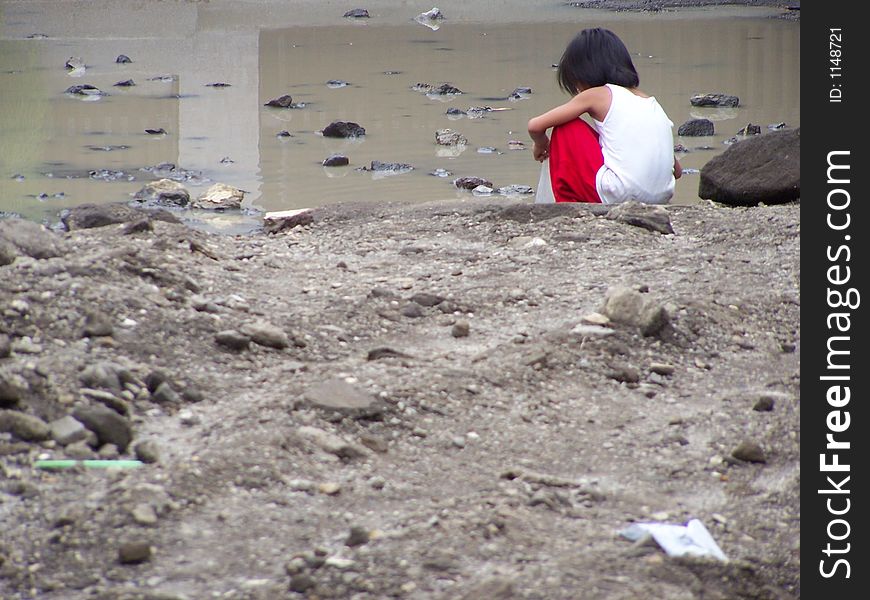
343	129
339	396
749	451
133	553
232	339
336	160
384	352
25	427
696	127
102	375
285	101
108	425
764	404
765	168
412	310
624	374
155	379
164	192
8	252
714	100
301	583
359	536
97	324
156	131
460	329
647	216
469	183
31	239
123	59
88	216
125	83
84	89
427	299
147	451
357	13
165	394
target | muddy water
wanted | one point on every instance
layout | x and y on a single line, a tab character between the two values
51	141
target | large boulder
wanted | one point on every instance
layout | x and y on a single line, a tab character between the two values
766	168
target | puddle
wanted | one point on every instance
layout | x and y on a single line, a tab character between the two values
207	72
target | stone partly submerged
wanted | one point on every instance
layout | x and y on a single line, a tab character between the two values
357	13
716	100
761	169
469	183
696	127
388	168
343	129
220	196
285	101
163	193
84	89
449	137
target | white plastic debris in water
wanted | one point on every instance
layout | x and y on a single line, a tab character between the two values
691	539
430	18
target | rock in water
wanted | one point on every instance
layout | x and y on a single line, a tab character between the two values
285	101
765	168
469	183
123	59
220	196
84	89
163	192
125	83
74	62
696	127
357	13
343	129
448	137
714	100
336	160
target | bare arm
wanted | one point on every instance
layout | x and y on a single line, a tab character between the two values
678	169
595	101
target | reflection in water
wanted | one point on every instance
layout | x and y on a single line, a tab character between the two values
204	81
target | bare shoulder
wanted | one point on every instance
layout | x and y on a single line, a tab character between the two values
598	100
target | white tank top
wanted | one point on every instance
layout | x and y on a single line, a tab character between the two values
637	142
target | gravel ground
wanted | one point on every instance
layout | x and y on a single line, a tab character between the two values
453	400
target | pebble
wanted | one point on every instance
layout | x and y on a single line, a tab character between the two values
131	553
329	488
25	427
165	394
661	368
458	441
358	536
67	430
412	310
232	339
147	451
266	334
188	418
764	404
144	514
377	482
460	329
301	583
749	451
301	485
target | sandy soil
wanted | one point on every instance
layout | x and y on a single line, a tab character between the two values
497	464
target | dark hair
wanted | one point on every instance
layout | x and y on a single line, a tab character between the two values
593	58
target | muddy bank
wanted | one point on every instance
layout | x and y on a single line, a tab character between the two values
403	402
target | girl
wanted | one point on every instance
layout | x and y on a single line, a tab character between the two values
629	155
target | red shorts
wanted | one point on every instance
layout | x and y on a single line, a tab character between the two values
575	158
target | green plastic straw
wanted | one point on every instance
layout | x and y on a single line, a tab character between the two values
88	464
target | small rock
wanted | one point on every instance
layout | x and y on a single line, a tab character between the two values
329	442
108	452
336	83
20	236
67	430
123	59
469	183
412	310
188	418
750	129
714	100
155	131
232	339
165	394
749	451
458	441
767	401
375	443
448	137
147	451
10	388
79	450
516	190
131	553
108	425
220	196
144	514
163	192
329	488
661	368
301	583
97	324
460	329
336	160
339	396
343	129
274	222
285	101
358	536
266	334
624	374
25	427
357	13
648	216
630	307
696	127
125	83
74	62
